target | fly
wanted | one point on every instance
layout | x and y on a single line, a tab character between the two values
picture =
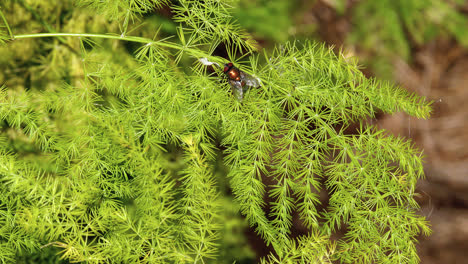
239	80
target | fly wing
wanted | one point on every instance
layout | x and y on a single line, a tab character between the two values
250	80
237	89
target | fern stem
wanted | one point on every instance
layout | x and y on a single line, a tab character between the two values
39	18
194	52
6	24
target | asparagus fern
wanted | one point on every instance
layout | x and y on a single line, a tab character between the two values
119	158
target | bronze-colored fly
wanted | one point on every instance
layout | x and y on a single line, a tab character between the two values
239	80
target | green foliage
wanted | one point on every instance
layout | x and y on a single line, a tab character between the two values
388	28
212	22
268	19
110	157
123	9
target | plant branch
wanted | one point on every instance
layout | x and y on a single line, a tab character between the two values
6	24
194	52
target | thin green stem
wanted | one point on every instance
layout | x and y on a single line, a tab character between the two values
86	35
194	52
6	24
45	24
40	19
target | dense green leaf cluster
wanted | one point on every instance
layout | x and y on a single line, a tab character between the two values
123	159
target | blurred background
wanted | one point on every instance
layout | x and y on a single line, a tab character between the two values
421	45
